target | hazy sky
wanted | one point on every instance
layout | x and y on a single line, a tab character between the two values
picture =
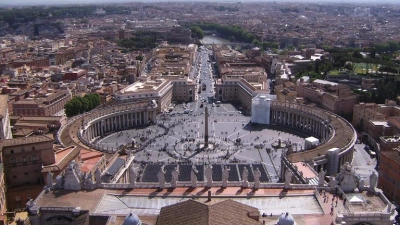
53	2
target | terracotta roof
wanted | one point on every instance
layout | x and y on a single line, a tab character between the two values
392	154
27	140
63	157
195	212
187	212
23	132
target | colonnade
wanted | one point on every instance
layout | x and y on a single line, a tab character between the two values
303	121
118	121
332	130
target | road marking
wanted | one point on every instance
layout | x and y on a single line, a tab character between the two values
267	164
173	137
244	135
164	159
234	133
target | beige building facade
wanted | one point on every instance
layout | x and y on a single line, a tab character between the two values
23	160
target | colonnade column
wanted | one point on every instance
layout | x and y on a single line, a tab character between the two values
123	121
135	116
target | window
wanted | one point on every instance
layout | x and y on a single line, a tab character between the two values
17	198
15	176
12	151
33	148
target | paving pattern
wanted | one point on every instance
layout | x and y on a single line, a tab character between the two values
177	138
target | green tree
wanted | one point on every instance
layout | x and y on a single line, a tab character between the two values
139	57
256	42
316	67
79	105
197	32
310	67
72	107
372	53
392	46
357	54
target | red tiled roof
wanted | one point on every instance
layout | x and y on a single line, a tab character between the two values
195	212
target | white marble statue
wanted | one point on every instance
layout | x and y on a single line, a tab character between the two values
49	179
288	178
333	182
361	184
245	178
373	178
347	179
161	178
132	176
225	176
59	181
175	174
97	175
88	182
208	172
72	179
257	175
193	176
321	177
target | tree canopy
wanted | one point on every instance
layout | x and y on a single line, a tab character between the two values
145	39
227	31
197	32
78	105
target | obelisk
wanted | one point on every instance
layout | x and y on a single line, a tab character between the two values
206	129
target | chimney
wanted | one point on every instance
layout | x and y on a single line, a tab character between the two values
209	196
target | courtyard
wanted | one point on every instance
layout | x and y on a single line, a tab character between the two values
179	137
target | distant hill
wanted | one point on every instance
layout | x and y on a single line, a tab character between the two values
66	2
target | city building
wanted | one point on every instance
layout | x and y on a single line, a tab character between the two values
5	128
389	176
42	104
3	203
286	92
167	81
334	97
23	159
209	212
240	79
279	204
376	120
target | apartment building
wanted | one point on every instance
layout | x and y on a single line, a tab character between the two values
47	104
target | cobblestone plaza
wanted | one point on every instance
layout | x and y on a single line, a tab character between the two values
178	138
